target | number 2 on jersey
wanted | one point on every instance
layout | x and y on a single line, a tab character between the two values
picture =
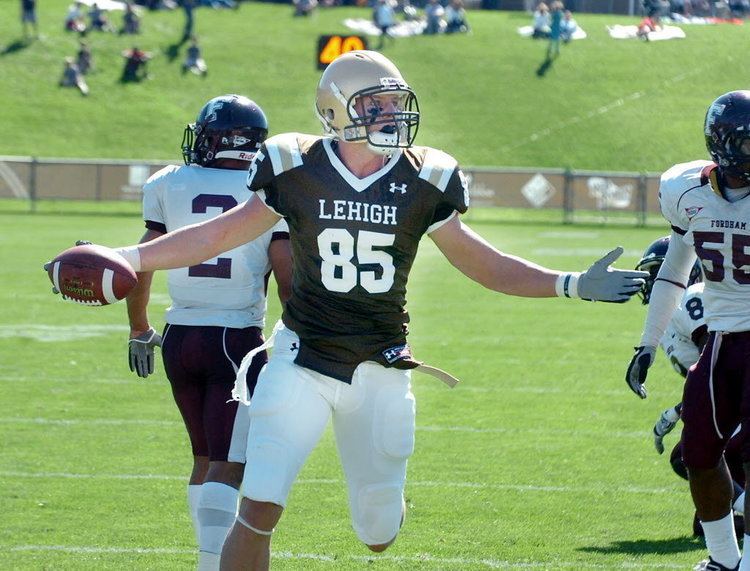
337	248
223	266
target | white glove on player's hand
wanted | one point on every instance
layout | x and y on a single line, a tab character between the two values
638	369
602	283
141	352
667	421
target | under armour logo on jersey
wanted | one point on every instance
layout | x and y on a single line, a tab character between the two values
393	354
294	347
394	187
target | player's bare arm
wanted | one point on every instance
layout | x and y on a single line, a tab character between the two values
477	259
280	256
513	275
137	300
197	243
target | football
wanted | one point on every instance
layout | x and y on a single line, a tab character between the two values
91	275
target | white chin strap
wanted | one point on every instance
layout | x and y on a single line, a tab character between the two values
386	151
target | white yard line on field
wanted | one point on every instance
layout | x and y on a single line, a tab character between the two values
602	490
367	559
598	433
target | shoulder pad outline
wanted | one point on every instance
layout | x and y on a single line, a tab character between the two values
437	168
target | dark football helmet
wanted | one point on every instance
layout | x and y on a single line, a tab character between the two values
227	127
651	262
727	131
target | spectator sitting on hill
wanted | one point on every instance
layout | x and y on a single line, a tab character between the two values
434	12
99	19
304	7
83	58
75	20
568	27
647	25
541	21
71	77
193	60
135	65
131	21
455	17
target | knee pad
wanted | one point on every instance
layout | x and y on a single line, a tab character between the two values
379	512
269	471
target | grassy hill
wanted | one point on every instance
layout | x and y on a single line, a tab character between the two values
605	104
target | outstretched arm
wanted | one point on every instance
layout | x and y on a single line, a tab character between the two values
199	242
473	256
513	275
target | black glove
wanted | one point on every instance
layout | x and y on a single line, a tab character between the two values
638	369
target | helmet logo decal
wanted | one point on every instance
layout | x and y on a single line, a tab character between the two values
691	211
212	109
236	141
393	83
714	111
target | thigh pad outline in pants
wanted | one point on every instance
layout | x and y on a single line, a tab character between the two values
287	418
375	441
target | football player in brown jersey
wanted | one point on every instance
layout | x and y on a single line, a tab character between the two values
357	202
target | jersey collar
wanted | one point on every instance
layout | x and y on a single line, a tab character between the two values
358	184
710	175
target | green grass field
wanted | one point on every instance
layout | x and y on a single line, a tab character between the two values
541	458
604	105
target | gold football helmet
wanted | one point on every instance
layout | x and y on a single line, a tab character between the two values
362	97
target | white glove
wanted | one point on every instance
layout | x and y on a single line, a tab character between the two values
638	369
602	283
141	352
667	421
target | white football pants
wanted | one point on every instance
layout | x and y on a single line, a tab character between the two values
373	421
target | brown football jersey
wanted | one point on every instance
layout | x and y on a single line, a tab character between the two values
353	244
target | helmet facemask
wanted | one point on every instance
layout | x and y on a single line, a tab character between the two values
727	134
386	117
652	266
735	159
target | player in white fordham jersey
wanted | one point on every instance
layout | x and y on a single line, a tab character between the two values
708	207
682	343
357	202
218	307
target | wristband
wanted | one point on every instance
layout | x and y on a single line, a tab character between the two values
566	285
132	255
